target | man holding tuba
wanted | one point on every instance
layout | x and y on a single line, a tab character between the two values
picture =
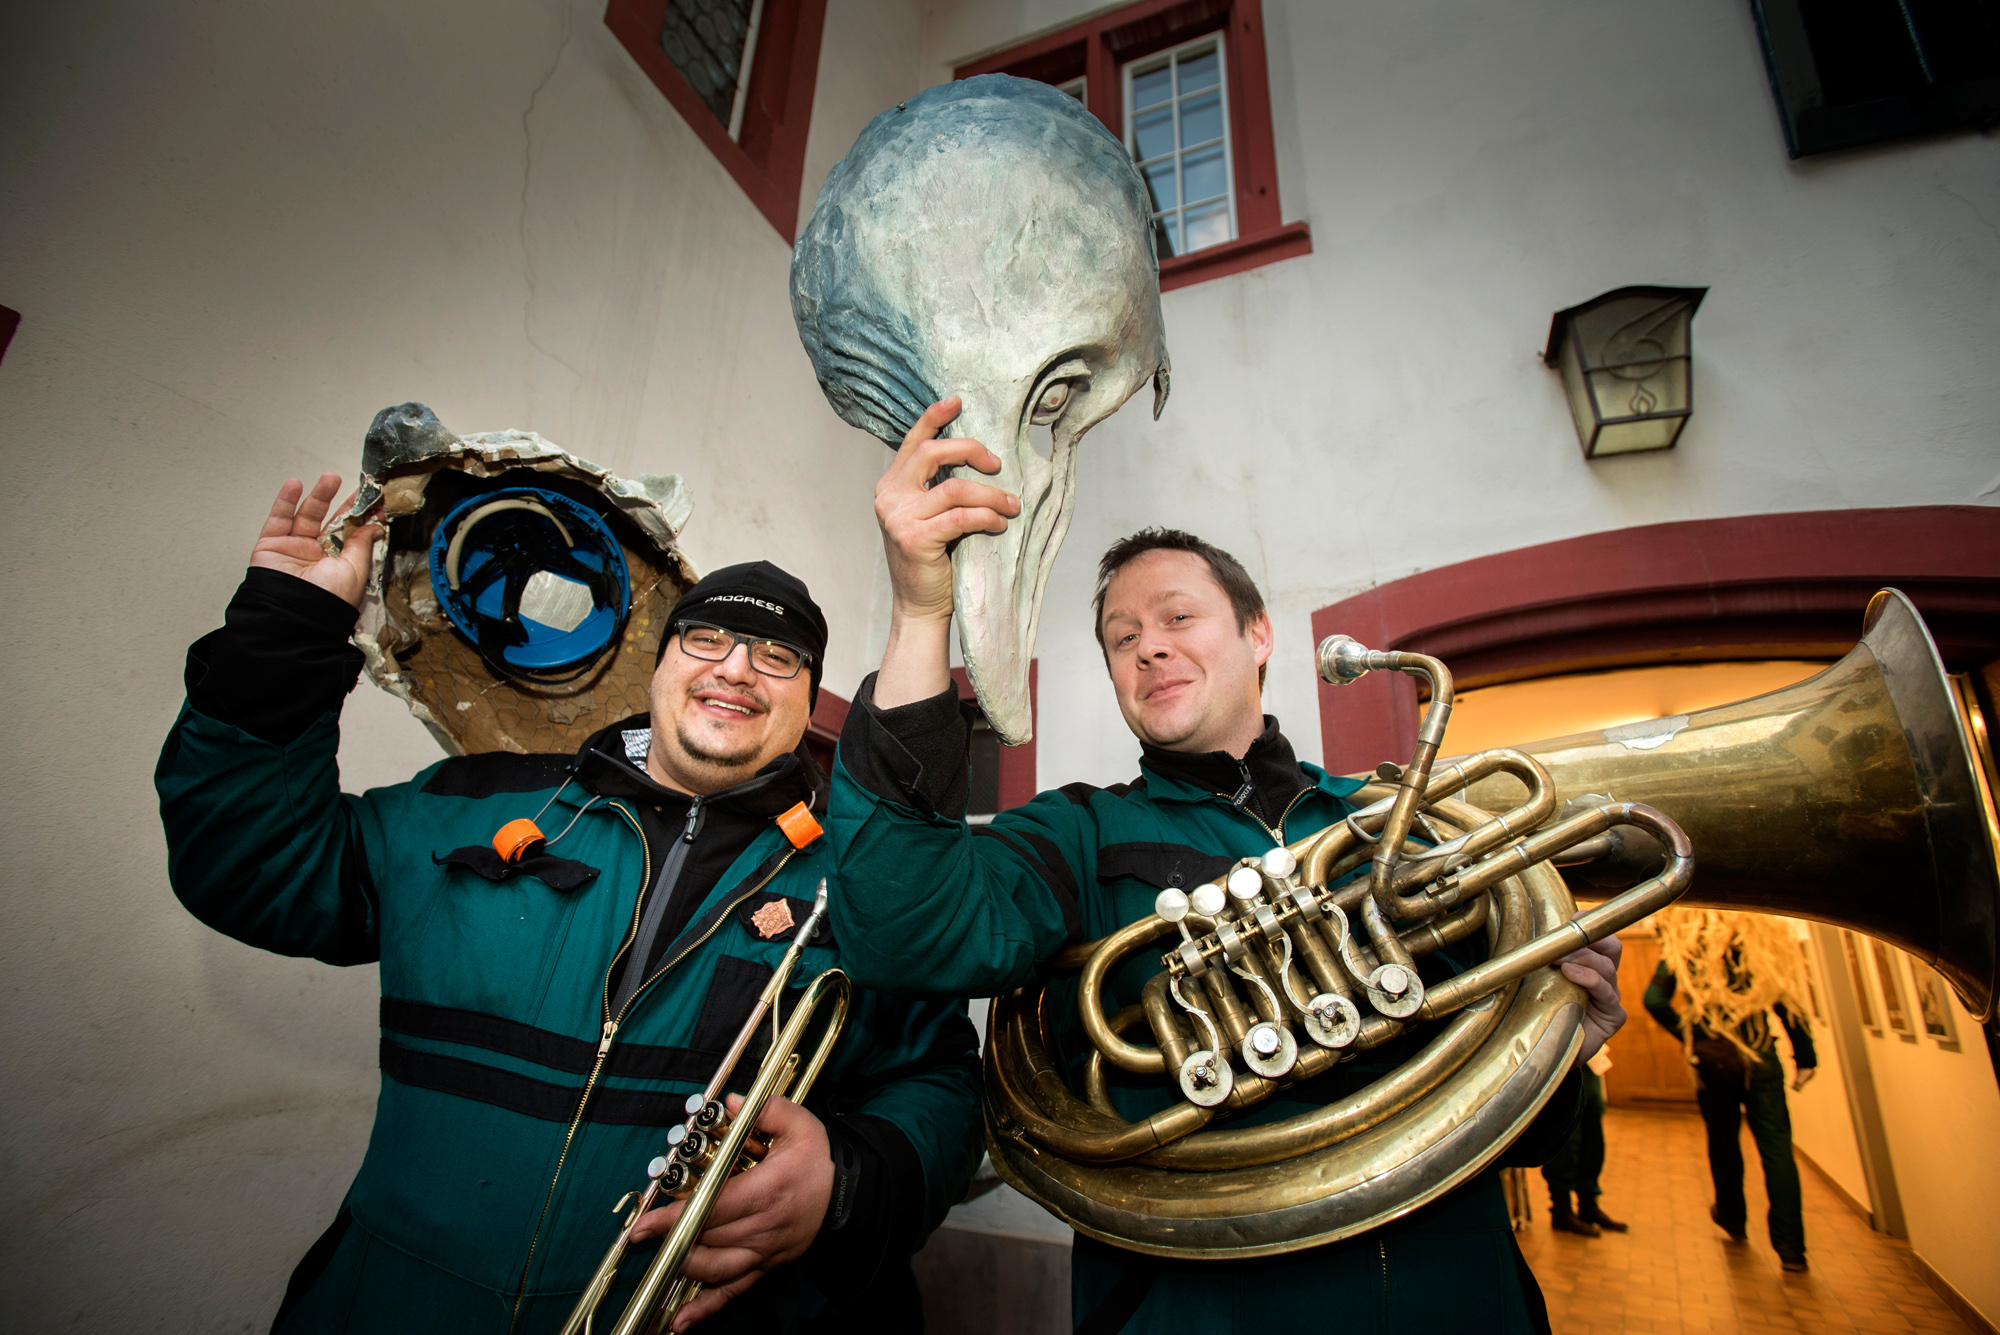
546	1016
936	905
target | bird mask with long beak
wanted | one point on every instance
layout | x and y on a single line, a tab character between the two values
988	238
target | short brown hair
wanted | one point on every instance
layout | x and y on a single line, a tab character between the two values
1244	597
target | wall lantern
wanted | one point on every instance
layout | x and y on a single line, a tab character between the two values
1625	366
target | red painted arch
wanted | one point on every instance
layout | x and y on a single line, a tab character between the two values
1755	586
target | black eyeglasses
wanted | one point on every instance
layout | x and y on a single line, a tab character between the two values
773	658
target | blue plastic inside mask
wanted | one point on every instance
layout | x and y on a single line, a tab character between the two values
533	579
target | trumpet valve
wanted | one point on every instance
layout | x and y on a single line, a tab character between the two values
690	1147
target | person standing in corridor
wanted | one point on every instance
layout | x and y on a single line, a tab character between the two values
1722	977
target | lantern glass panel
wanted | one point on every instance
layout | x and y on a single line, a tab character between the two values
1651	433
1645	390
1578	393
1625	370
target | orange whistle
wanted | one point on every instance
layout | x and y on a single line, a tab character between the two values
799	825
522	838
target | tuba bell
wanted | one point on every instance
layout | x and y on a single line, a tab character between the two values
1855	797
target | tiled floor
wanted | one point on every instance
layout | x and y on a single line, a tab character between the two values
1677	1272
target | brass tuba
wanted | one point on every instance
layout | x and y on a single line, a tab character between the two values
710	1147
1853	797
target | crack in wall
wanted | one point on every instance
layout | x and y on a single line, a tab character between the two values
527	175
1977	212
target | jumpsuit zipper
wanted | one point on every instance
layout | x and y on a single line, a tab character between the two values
611	1022
658	899
1277	835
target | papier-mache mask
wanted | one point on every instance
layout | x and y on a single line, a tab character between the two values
988	238
517	600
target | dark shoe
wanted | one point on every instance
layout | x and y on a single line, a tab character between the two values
1587	1211
1795	1262
1735	1234
1563	1220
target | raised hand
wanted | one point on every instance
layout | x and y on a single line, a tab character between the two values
919	521
764	1218
290	540
1595	969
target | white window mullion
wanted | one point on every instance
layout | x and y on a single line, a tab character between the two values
743	71
1189	79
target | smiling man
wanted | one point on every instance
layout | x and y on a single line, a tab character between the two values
545	1017
938	905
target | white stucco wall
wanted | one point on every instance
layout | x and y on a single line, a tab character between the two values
1941	1116
235	231
1380	407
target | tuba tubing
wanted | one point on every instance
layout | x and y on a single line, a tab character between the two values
1807	801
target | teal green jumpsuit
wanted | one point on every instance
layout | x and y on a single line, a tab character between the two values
937	904
517	1102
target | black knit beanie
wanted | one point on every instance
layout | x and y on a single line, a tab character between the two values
757	598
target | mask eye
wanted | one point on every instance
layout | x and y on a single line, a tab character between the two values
1050	403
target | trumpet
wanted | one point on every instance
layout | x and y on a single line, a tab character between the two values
1813	800
711	1146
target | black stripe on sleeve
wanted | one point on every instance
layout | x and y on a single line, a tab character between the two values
1057	877
491	773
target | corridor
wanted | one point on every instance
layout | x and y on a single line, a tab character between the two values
1677	1272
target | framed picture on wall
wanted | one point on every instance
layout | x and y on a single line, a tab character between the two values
1934	1005
1864	994
1892	992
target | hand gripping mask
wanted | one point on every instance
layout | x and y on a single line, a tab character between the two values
517	600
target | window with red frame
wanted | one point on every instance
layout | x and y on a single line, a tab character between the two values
1185	86
741	74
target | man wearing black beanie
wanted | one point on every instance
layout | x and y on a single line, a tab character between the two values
550	1002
